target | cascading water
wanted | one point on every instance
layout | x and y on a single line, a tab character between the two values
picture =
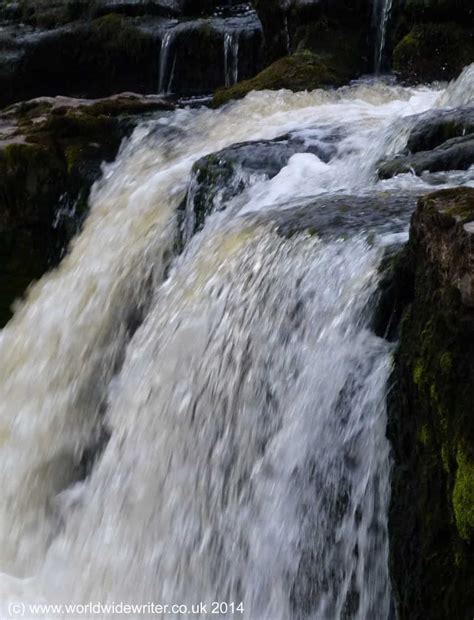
231	57
246	458
381	18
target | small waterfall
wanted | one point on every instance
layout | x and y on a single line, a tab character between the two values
231	57
166	68
381	19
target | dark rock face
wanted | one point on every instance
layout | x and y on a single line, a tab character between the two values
438	142
197	57
434	52
338	28
430	423
97	56
51	151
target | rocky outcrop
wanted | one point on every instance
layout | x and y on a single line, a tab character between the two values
86	55
219	177
431	39
107	55
319	26
51	151
431	424
300	71
432	52
439	141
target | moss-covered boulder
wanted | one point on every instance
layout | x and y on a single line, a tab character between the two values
431	414
51	151
432	51
300	71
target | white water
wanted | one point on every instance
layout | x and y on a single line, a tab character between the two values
247	458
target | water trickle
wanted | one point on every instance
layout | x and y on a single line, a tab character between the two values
231	57
381	18
167	63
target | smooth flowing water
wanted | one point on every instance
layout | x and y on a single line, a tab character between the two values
233	394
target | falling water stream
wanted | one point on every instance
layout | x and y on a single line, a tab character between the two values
381	18
233	394
231	57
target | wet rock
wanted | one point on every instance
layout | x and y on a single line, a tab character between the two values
432	52
454	154
317	25
430	422
300	71
219	177
51	151
197	57
435	128
439	141
113	53
109	54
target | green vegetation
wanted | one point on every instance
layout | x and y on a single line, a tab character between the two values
432	428
300	71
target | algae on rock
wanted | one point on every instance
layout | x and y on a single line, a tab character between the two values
431	422
300	71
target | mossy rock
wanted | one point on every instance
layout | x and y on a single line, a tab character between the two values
115	44
347	46
300	71
432	52
430	421
51	152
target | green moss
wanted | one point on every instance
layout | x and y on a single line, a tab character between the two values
418	373
434	52
463	494
300	71
423	435
112	40
446	362
432	514
347	47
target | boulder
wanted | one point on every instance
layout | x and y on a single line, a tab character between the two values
219	177
439	141
435	128
51	151
431	426
432	51
300	71
454	154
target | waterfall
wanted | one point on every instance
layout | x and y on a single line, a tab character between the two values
166	67
233	395
231	57
382	13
